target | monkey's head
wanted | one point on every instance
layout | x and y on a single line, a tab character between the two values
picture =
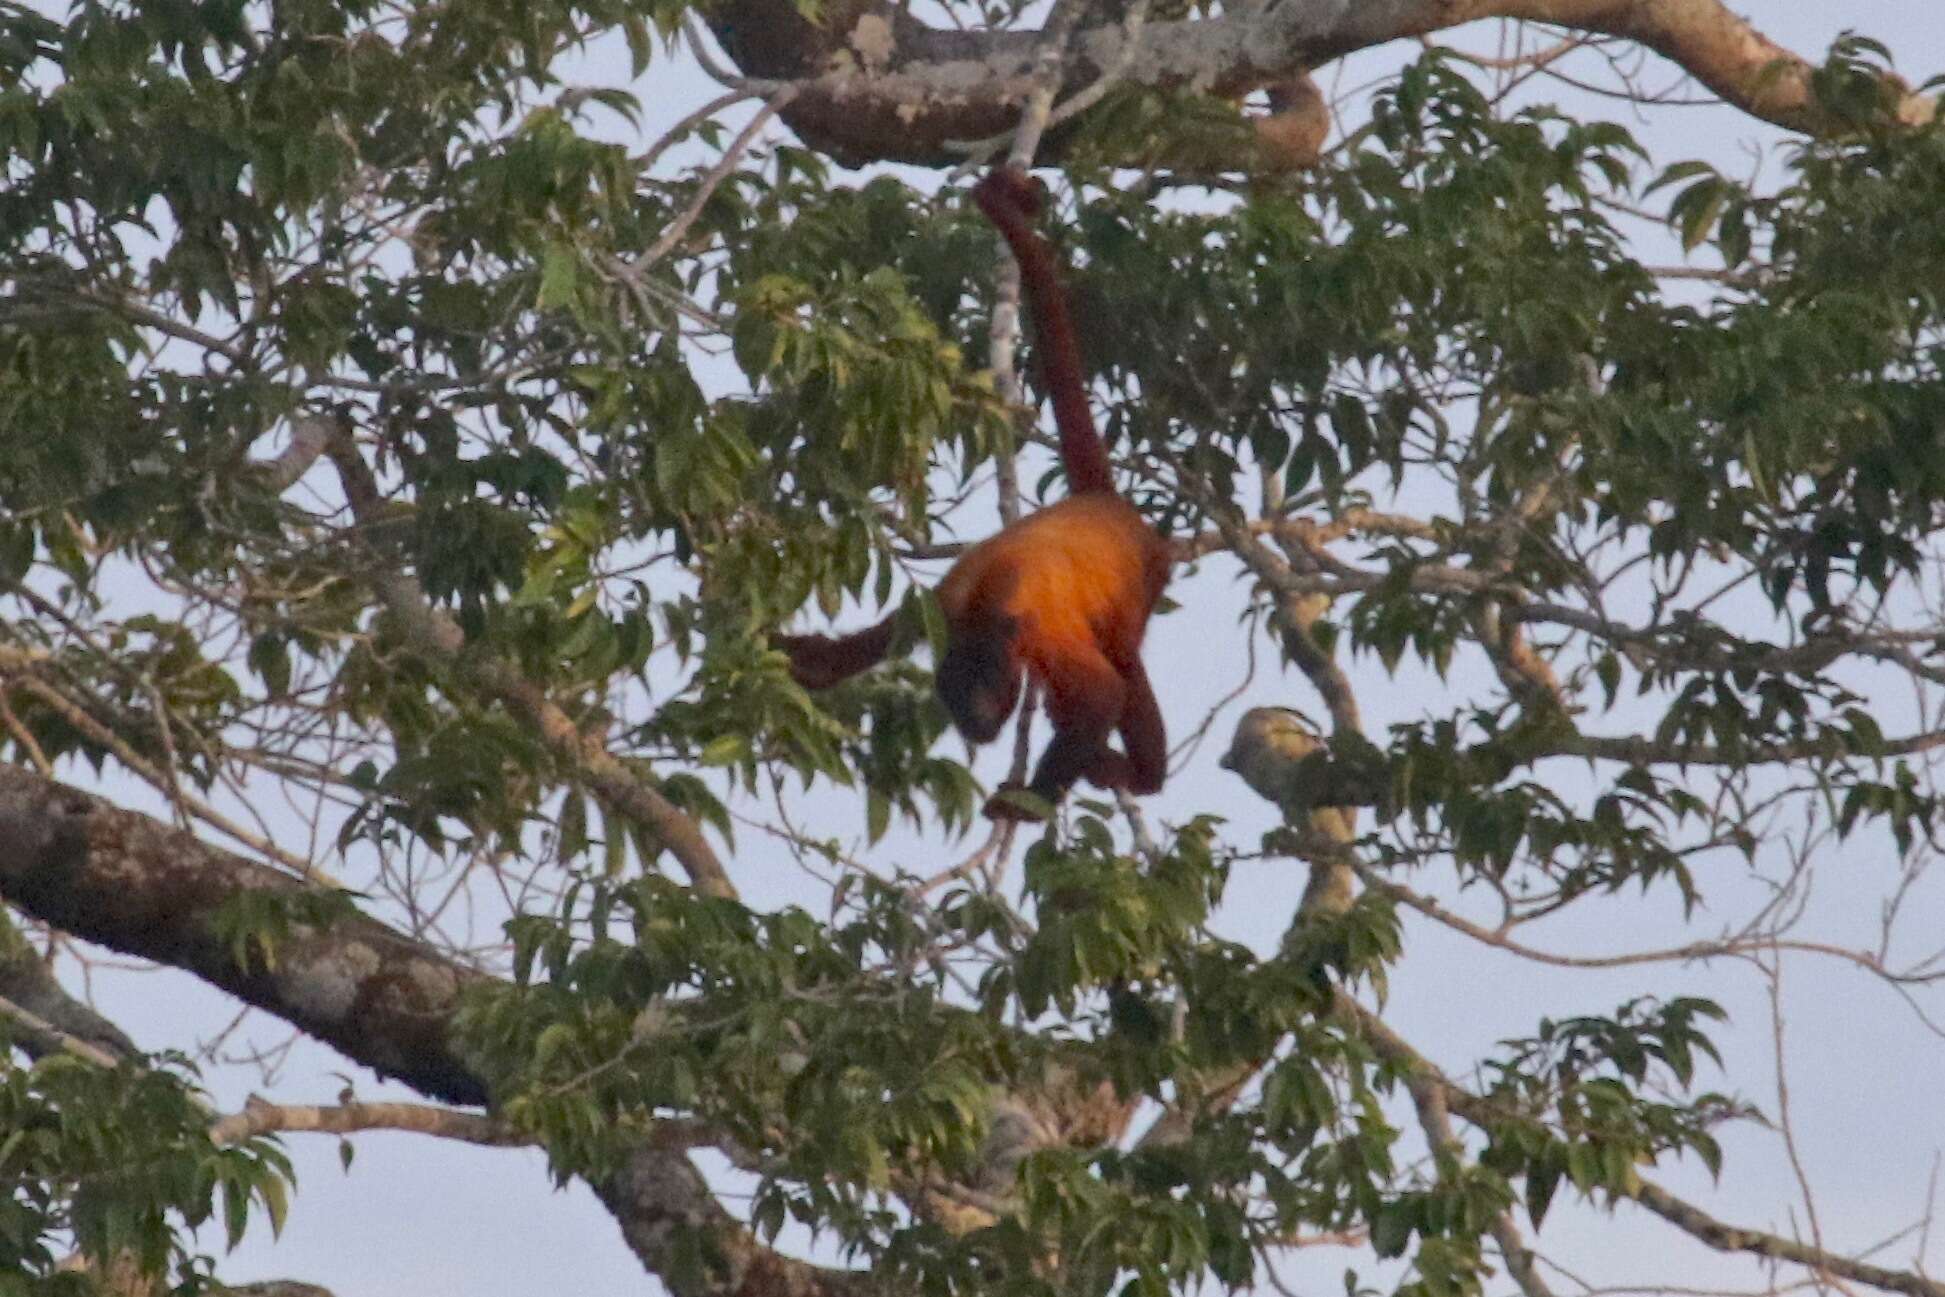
979	676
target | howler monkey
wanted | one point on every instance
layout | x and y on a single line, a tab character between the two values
1063	594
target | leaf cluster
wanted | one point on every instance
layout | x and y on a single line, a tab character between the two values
117	1164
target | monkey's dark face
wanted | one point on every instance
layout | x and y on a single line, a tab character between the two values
979	677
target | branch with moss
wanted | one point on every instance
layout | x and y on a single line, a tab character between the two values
143	888
875	83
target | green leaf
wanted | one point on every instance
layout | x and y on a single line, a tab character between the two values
1541	1181
560	272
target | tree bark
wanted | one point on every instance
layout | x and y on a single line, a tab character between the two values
878	85
135	885
132	884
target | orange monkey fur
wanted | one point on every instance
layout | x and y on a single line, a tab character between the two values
1062	595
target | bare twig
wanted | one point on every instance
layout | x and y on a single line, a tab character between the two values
714	178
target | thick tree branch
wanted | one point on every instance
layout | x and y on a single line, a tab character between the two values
132	884
880	85
144	888
661	1201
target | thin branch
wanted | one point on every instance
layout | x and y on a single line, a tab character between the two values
674	133
260	1117
1694	950
1785	1122
1054	39
1641	752
39	1037
717	70
1414	1068
159	777
1723	1237
714	178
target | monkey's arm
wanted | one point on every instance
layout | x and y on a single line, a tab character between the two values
820	661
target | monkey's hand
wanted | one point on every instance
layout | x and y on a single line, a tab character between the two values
816	661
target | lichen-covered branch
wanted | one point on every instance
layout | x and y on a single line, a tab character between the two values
260	1117
135	885
143	888
878	84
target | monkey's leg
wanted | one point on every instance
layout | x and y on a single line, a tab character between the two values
1084	702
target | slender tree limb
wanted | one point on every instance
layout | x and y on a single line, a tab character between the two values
40	1038
1645	752
712	181
46	1017
68	298
1186	549
1295	609
263	1118
1351	522
1416	1070
1733	947
680	131
1429	1095
1723	1237
1692	644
